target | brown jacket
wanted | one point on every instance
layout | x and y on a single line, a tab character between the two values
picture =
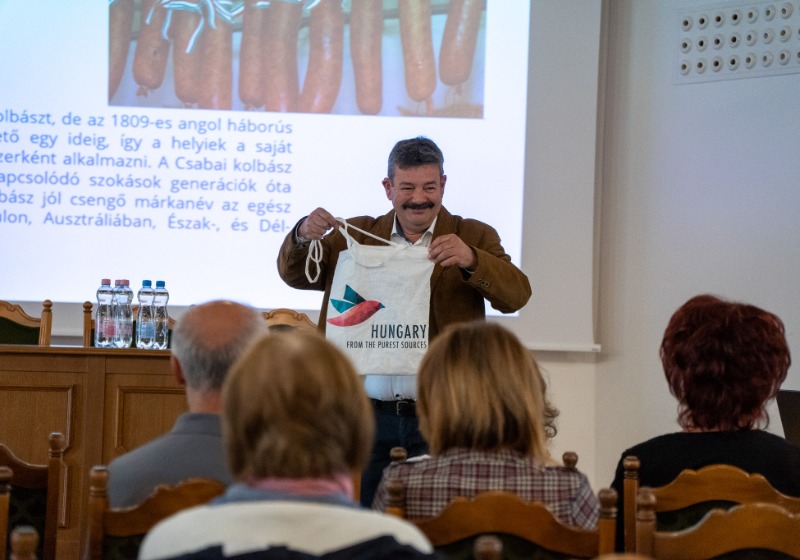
455	295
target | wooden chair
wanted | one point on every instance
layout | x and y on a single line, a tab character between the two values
17	327
523	527
116	534
283	319
24	542
88	324
749	527
685	500
37	488
5	491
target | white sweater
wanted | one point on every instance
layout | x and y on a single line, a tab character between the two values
241	527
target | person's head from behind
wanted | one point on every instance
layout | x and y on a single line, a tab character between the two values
415	183
723	361
294	407
207	340
478	387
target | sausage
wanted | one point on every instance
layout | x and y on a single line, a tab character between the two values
187	66
325	53
366	35
152	50
120	32
458	40
417	41
357	314
251	83
217	80
281	88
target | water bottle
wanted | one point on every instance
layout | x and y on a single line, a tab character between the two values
104	315
123	314
145	320
161	316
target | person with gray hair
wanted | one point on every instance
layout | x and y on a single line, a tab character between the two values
206	341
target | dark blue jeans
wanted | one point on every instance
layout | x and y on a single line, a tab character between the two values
390	431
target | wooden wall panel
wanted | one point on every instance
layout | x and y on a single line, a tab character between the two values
105	401
137	412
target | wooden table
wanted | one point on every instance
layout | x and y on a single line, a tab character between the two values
105	401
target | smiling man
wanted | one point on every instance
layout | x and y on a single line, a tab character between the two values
471	267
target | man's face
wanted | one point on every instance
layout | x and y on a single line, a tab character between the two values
416	195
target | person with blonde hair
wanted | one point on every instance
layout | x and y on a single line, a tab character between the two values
297	425
484	413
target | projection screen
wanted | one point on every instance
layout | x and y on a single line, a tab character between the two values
181	140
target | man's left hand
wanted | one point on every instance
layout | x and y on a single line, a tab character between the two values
450	250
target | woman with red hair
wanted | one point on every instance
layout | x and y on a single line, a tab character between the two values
724	361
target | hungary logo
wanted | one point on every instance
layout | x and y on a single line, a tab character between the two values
354	309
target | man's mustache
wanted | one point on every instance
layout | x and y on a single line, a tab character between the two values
417	205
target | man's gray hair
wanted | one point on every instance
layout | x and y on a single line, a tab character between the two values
206	342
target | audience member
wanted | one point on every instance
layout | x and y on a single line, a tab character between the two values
724	361
205	342
483	411
297	425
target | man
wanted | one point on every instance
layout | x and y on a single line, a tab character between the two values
205	342
470	266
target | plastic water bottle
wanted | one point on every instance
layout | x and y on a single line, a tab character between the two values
161	315
145	320
104	315
123	314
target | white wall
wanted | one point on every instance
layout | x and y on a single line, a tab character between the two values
700	193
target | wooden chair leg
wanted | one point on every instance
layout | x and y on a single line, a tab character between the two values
24	540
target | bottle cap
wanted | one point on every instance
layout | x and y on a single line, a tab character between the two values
160	284
125	282
105	281
147	284
118	282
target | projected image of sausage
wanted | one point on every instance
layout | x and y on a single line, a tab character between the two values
281	87
152	50
366	37
187	60
217	46
326	45
418	57
251	54
460	36
120	32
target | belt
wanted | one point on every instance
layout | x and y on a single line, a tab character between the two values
405	407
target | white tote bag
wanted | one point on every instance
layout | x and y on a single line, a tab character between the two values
379	305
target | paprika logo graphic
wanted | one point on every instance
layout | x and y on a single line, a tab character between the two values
354	309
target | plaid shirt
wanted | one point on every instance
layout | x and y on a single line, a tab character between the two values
431	482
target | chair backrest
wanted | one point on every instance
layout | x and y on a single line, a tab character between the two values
504	513
88	325
745	527
287	319
5	491
24	542
695	492
36	489
528	525
115	534
17	327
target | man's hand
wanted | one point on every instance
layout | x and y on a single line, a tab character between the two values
317	224
449	250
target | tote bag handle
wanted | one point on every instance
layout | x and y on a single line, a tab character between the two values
315	250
